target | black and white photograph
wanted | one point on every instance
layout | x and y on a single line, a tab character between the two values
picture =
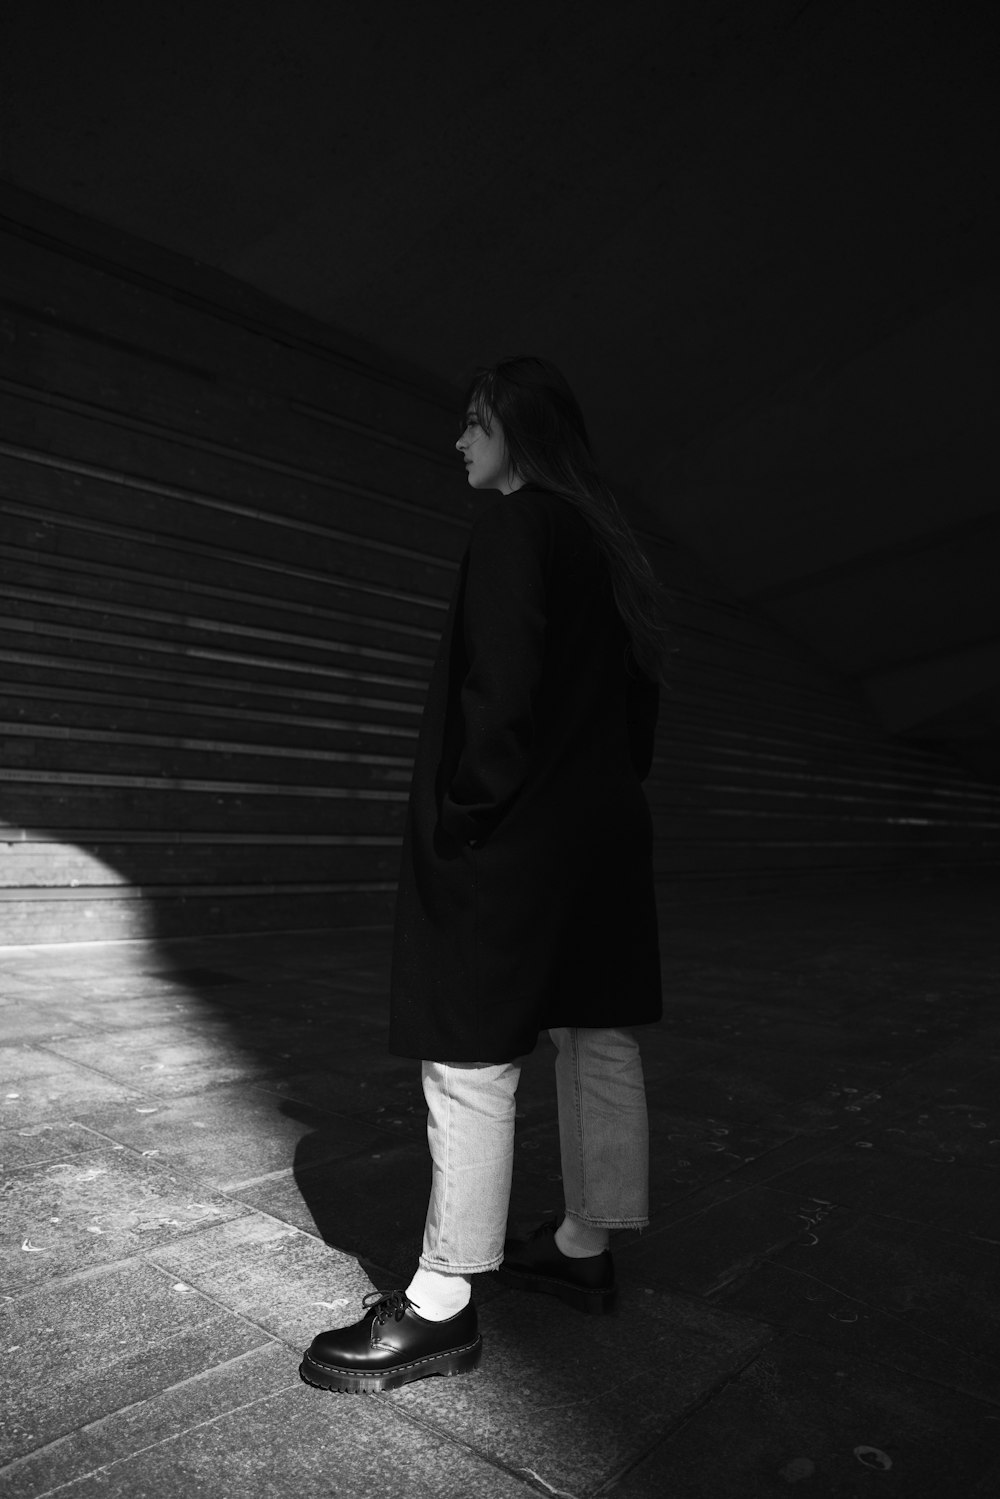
499	749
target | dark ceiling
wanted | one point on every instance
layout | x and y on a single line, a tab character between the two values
761	238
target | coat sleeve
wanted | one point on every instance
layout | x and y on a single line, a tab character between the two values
642	706
503	622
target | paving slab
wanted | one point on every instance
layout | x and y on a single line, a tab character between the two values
915	1299
840	1427
141	1416
52	964
859	1040
286	1006
226	1136
667	1054
718	1236
573	1400
284	1280
25	1020
963	1126
694	1150
40	1086
910	1174
751	1083
97	990
165	1059
368	1086
98	1342
361	958
374	1201
819	1062
86	1014
35	1144
302	1442
21	979
956	1075
107	1204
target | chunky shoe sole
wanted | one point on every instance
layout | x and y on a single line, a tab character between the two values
353	1382
597	1302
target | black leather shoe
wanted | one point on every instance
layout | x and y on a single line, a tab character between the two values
538	1264
390	1346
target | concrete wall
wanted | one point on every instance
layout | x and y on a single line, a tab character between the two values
228	538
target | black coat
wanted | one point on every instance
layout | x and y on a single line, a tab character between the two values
526	895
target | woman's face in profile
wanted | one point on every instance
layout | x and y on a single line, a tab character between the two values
485	455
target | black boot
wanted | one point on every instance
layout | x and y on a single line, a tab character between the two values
390	1346
538	1264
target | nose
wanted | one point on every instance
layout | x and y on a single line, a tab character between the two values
460	444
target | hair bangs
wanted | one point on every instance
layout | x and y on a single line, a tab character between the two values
480	399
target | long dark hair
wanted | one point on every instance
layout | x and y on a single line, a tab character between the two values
547	444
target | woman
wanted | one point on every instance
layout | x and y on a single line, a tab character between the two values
526	897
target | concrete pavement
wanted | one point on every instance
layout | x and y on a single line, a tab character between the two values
208	1156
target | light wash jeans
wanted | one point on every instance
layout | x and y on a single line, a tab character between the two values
603	1137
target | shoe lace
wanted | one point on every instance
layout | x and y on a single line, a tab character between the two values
387	1304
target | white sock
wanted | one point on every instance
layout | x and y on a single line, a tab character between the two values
438	1296
580	1240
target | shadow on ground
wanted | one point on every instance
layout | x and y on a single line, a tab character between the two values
209	1155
